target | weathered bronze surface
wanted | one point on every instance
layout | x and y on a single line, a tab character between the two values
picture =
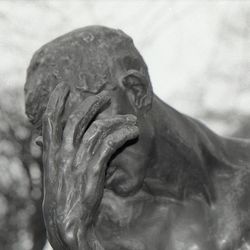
122	169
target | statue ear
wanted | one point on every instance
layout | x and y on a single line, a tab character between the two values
138	88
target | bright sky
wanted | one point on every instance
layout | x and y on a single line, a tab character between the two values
176	39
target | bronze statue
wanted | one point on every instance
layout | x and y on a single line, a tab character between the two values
122	169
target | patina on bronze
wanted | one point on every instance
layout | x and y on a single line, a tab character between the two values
122	169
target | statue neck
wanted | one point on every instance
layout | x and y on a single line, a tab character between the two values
180	169
174	130
189	155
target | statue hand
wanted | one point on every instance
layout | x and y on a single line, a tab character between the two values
75	159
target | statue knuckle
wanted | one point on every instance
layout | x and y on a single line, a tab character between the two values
130	118
98	126
60	222
99	123
68	146
73	118
65	161
95	171
110	143
97	98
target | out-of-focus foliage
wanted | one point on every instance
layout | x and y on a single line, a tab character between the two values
21	223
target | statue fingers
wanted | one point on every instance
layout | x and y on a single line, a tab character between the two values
51	134
51	124
115	141
79	120
50	146
97	132
94	172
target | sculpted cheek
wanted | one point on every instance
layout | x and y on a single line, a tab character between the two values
123	183
126	172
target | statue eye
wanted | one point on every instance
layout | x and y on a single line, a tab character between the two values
39	141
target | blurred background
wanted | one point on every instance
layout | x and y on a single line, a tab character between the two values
198	54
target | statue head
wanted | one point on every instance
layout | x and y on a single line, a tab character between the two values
91	60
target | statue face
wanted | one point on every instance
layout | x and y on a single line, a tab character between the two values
128	92
103	62
127	168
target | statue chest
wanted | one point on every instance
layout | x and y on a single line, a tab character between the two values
151	223
133	223
144	222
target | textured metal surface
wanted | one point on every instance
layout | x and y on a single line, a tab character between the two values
123	170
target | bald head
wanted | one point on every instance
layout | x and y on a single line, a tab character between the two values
89	60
